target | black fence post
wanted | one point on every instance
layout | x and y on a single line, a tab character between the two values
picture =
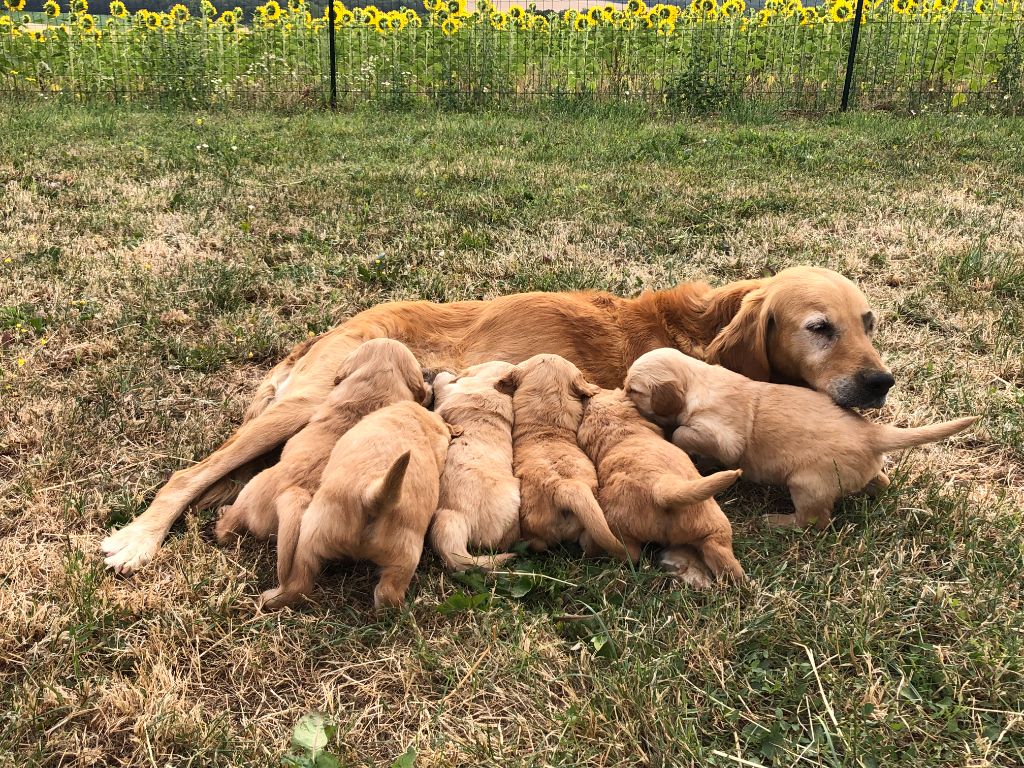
852	57
332	53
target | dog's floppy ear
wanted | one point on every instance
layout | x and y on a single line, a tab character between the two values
584	388
454	429
346	369
742	346
413	376
509	383
666	400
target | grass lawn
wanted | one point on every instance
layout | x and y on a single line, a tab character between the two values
154	265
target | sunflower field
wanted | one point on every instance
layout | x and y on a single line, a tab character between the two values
700	56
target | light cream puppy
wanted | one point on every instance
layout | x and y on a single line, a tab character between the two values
376	500
557	481
377	373
479	503
651	492
776	433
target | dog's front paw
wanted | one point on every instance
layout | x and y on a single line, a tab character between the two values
128	549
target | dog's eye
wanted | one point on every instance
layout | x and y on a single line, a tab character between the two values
822	328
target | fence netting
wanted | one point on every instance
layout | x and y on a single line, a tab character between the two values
697	55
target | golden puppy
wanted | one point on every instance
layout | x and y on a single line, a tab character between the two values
778	434
557	480
378	373
479	503
651	492
378	494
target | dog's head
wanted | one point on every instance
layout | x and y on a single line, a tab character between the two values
807	326
386	357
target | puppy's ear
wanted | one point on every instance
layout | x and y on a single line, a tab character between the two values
584	388
413	376
666	400
742	346
509	383
345	369
454	429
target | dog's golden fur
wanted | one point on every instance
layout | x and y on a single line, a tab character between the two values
558	482
378	494
479	503
651	492
755	326
777	434
377	373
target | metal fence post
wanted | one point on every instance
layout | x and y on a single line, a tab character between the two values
852	57
332	53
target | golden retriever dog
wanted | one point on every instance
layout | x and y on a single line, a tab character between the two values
803	326
378	373
777	434
479	503
558	482
651	492
378	494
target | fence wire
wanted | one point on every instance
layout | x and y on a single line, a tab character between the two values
703	55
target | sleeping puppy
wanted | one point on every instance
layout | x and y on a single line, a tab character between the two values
651	492
778	434
557	480
375	374
378	494
479	503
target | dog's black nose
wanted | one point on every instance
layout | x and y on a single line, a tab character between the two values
878	383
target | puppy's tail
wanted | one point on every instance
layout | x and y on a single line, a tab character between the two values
383	494
672	491
291	507
579	499
891	438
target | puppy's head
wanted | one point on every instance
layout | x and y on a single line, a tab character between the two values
386	357
658	383
806	326
481	378
549	375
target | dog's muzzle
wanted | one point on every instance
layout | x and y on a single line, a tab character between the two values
865	389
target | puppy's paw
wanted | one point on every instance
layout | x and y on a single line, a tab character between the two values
275	600
687	568
129	549
780	521
226	531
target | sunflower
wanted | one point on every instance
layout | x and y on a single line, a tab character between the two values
411	15
378	24
51	8
666	27
166	21
180	13
568	16
118	9
346	18
228	20
296	5
456	7
841	11
37	37
904	7
732	8
792	8
636	8
14	5
207	9
498	20
595	13
86	22
981	7
539	23
809	17
80	6
396	21
450	26
153	20
703	6
516	12
582	22
764	16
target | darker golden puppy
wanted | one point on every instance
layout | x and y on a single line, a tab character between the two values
378	494
376	374
778	434
557	480
651	492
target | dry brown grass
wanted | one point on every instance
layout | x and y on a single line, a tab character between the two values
165	282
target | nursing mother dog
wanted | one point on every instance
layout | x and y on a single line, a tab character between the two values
805	326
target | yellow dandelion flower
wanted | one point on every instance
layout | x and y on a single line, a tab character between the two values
118	9
450	26
21	362
841	11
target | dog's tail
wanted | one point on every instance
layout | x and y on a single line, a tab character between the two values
579	499
673	491
291	508
890	438
383	494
